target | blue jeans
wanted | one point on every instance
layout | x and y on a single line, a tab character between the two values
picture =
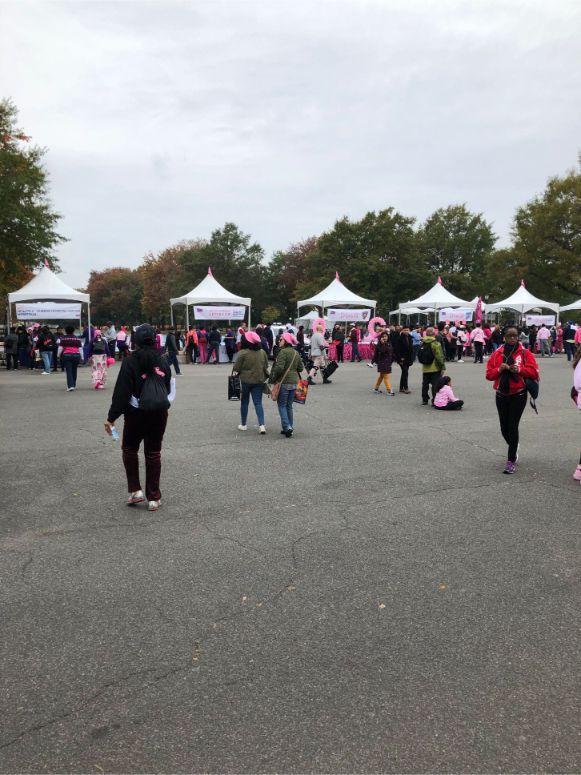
46	359
256	392
285	405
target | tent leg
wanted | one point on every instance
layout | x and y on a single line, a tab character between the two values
249	318
187	317
89	322
171	314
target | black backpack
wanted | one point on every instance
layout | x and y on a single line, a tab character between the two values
153	394
426	354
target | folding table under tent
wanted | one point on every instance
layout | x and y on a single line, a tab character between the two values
309	317
47	286
575	305
437	298
336	293
209	291
522	301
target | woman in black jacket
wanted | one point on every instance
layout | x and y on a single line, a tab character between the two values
383	357
404	355
145	376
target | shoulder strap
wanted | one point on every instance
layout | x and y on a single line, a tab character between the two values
289	366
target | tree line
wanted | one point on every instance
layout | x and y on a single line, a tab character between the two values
385	255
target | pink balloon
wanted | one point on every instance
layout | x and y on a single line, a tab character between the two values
371	327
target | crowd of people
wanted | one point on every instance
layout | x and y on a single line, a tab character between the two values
276	360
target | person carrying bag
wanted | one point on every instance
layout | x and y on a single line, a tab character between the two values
284	377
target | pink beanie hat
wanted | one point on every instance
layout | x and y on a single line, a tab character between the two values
290	338
252	337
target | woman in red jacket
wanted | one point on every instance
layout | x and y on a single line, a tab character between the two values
508	368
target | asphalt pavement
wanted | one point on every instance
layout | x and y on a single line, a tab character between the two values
372	595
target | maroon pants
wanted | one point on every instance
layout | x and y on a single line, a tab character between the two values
148	427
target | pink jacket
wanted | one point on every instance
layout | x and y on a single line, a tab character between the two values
578	335
478	336
444	396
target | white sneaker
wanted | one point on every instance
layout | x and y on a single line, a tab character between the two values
69	390
460	361
243	427
45	372
391	393
135	497
261	429
153	505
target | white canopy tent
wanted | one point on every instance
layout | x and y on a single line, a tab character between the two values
308	318
437	298
575	305
47	286
209	291
337	293
411	311
522	301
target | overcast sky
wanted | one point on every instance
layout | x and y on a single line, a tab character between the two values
164	120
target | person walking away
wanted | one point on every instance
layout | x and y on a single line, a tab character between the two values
487	335
301	341
577	337
569	340
318	348
214	339
532	338
432	359
191	345
383	356
203	344
508	368
46	345
70	349
461	339
23	347
270	337
111	339
142	395
171	347
354	340
11	350
287	371
544	339
122	343
99	352
453	341
577	393
339	342
478	341
416	336
252	367
404	355
230	343
445	398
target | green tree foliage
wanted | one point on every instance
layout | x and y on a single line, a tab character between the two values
28	224
547	240
286	271
116	295
456	245
271	314
163	279
376	257
236	262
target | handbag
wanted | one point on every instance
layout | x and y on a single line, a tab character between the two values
234	388
275	389
301	392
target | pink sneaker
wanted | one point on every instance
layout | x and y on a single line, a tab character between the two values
577	473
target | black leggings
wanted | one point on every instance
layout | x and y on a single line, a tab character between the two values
510	409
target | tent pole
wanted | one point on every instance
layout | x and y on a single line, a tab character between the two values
187	316
171	313
249	317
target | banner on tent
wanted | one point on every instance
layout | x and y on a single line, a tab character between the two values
455	315
539	320
347	315
46	310
219	313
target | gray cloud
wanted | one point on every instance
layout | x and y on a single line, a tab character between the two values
164	120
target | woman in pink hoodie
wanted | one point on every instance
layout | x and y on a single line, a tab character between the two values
445	398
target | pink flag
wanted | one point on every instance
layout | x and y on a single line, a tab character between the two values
478	311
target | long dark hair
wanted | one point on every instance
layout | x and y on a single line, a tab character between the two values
442	382
146	355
